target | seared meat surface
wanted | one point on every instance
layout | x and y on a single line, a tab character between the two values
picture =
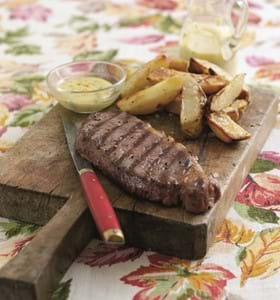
145	161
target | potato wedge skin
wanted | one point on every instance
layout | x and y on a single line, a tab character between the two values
178	64
201	66
228	94
235	110
162	73
152	98
192	111
210	83
138	80
225	128
175	106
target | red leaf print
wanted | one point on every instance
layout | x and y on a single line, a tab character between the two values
18	246
14	101
164	48
254	5
142	40
271	71
252	18
261	191
257	61
271	155
102	255
158	4
172	278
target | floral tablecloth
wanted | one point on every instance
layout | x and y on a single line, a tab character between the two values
37	35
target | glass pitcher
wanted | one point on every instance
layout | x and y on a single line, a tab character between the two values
209	33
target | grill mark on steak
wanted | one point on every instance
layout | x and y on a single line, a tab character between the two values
132	155
146	150
116	137
100	120
143	167
145	162
127	144
104	131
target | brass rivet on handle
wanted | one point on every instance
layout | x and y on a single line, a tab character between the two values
114	236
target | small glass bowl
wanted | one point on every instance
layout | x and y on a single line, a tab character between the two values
92	100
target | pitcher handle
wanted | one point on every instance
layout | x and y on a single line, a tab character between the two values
242	21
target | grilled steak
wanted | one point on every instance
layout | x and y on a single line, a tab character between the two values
145	161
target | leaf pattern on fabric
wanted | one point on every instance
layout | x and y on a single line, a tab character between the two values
142	40
262	190
14	36
271	72
262	257
234	234
97	55
256	214
173	278
76	43
262	165
107	255
62	292
35	12
257	61
24	49
14	101
29	115
159	4
13	228
271	155
4	114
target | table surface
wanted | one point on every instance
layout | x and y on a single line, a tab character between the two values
244	262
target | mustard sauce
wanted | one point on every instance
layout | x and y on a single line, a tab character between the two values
85	93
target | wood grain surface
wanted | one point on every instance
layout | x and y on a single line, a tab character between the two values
37	178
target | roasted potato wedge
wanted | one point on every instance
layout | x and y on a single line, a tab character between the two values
178	64
192	111
139	80
175	106
236	109
152	98
210	83
225	128
201	66
245	93
162	73
228	94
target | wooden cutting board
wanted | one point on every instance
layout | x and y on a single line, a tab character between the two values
37	178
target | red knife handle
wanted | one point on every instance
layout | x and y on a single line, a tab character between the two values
101	208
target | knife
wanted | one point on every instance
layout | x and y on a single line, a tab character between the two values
97	199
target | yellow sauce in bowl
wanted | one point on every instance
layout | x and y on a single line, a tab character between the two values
86	94
84	84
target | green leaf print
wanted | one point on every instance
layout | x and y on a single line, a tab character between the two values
24	84
168	24
63	291
94	27
29	115
97	55
256	214
262	165
14	36
23	49
77	19
14	228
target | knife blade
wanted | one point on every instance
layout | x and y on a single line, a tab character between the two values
97	199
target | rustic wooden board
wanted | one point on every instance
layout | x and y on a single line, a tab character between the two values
37	178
